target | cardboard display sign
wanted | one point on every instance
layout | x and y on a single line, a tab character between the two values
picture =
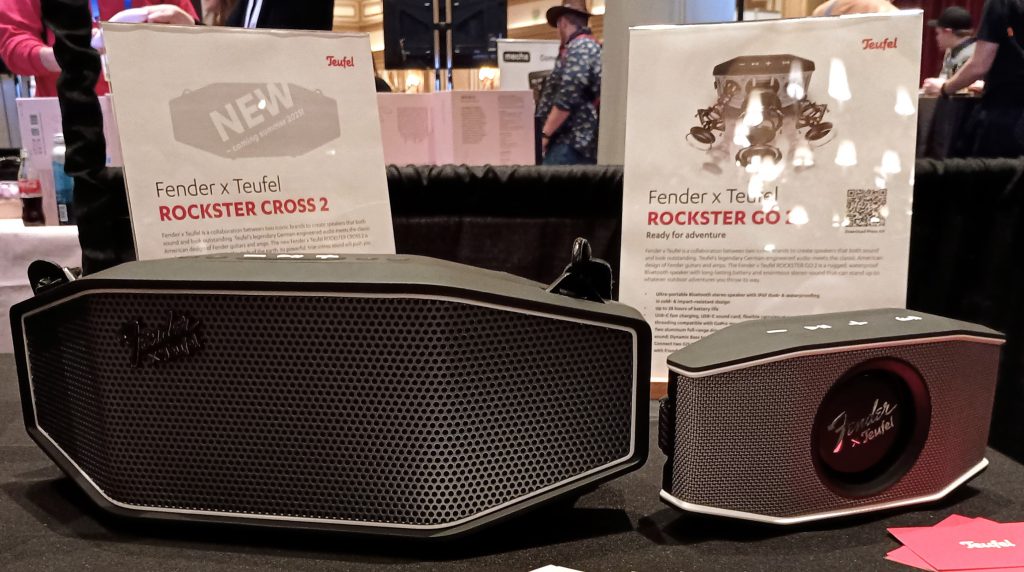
249	140
768	171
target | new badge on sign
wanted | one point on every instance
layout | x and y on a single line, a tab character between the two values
235	120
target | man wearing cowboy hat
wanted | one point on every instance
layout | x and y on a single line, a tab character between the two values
568	104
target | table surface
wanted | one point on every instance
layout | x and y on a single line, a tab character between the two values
47	523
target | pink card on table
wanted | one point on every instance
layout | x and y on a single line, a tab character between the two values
976	545
951	520
908	557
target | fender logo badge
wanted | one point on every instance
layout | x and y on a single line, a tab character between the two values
177	339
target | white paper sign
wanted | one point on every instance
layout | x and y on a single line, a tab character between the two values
769	170
458	127
412	128
492	127
517	58
249	140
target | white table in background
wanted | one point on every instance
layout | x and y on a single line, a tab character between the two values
19	246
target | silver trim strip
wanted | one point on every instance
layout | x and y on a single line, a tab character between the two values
837	349
632	445
789	520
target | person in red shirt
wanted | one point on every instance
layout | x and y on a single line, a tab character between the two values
26	46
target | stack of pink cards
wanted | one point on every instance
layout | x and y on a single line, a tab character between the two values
961	543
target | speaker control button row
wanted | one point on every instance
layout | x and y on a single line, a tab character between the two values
852	323
324	257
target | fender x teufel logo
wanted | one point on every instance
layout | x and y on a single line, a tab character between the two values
178	338
860	431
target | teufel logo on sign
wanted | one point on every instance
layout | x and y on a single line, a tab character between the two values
880	44
235	120
341	62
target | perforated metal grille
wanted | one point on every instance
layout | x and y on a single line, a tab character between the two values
743	438
388	410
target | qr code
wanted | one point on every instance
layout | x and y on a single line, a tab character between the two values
865	207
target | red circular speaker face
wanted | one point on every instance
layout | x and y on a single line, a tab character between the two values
870	427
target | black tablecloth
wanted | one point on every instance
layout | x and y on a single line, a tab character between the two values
46	523
940	124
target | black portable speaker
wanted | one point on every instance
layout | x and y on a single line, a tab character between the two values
394	395
797	419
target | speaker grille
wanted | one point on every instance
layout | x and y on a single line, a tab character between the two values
743	438
404	411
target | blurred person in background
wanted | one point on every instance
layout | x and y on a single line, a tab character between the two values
27	46
841	7
996	126
569	100
283	14
954	36
216	12
381	84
